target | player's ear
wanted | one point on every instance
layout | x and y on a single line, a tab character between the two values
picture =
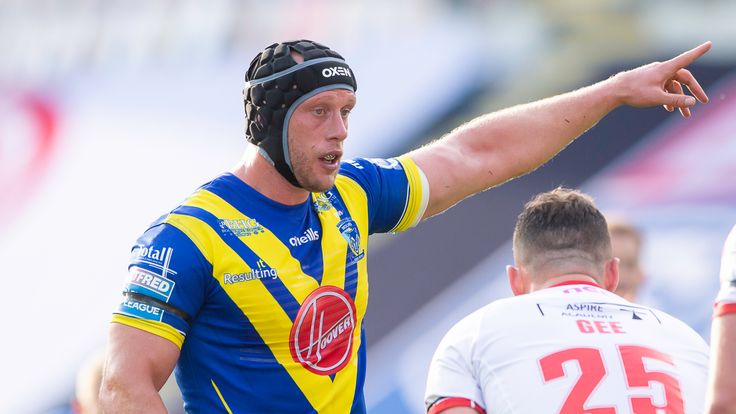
610	274
516	280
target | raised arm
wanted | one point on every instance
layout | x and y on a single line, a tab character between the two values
721	398
137	365
499	146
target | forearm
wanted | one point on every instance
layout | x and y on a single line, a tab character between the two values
119	398
499	146
722	379
519	139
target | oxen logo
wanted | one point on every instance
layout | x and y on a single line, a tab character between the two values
321	338
336	71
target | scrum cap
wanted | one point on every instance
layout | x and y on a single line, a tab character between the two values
276	84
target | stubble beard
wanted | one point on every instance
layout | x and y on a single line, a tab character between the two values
307	179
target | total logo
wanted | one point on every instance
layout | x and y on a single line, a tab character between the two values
321	338
151	253
309	236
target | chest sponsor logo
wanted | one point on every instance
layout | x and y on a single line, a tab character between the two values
321	338
242	227
262	271
309	236
150	284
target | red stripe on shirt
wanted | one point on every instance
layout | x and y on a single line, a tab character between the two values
450	402
724	309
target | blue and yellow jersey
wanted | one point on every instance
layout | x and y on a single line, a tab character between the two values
265	300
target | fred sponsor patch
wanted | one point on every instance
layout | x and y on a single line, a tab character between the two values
149	283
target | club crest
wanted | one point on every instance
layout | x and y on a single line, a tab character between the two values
350	233
322	202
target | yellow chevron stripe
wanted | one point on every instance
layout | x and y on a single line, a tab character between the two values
264	312
256	302
222	399
334	249
354	195
265	245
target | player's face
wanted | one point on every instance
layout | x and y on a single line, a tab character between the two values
317	130
631	276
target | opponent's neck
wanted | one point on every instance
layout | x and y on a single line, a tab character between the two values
263	177
563	279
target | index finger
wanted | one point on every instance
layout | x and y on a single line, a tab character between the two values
684	59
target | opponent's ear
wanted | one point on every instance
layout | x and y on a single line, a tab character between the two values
610	276
517	280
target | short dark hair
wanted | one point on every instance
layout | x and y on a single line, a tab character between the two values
562	224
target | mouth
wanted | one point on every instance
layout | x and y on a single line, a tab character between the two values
331	158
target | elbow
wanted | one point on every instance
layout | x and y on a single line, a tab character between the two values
107	396
112	395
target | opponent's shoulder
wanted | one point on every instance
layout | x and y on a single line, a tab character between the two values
677	329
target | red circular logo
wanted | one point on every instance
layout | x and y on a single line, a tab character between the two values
321	338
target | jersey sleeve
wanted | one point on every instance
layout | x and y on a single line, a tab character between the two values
726	299
166	284
396	189
452	380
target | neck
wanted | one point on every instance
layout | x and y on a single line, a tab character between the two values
258	173
556	280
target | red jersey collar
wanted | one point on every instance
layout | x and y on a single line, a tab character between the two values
575	282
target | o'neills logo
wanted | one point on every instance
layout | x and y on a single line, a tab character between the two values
309	235
321	338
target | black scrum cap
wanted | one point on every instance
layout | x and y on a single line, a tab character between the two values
276	84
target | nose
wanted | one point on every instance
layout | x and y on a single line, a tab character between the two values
338	127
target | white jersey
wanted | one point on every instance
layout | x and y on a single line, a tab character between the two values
574	348
726	299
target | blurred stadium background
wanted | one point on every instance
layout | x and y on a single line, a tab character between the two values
112	111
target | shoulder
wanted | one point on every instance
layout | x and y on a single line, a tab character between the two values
680	329
483	320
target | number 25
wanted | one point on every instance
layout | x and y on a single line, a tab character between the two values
593	369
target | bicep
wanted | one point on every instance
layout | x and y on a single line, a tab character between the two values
451	175
138	357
